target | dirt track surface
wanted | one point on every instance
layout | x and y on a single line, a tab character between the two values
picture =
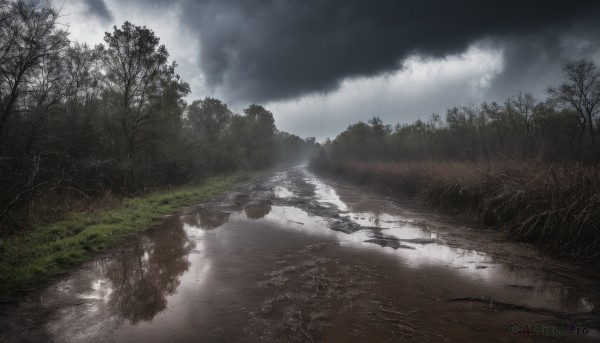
296	258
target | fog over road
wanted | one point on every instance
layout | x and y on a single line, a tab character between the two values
296	257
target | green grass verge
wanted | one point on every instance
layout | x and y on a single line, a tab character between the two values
47	250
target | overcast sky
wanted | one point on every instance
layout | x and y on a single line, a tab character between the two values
320	65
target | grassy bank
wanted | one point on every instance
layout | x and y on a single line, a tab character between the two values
47	250
557	207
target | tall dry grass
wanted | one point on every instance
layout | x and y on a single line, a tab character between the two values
554	206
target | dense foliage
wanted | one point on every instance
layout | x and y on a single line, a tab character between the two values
77	122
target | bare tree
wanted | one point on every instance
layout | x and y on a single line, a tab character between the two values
580	92
83	75
521	109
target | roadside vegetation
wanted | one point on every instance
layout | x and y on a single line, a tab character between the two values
99	142
528	167
80	123
53	248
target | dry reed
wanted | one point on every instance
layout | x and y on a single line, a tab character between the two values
555	206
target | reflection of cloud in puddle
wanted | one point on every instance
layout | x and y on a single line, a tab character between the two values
282	192
408	232
199	263
97	291
198	274
295	218
391	225
381	220
193	232
325	193
455	258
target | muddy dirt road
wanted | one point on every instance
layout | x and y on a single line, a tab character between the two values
294	257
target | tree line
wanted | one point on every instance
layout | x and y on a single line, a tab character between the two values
79	121
565	126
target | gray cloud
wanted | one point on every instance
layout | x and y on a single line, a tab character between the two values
533	61
257	50
420	88
97	8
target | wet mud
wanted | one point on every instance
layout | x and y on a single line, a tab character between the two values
296	258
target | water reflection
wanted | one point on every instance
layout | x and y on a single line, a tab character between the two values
325	193
206	218
141	278
381	218
282	192
257	210
188	277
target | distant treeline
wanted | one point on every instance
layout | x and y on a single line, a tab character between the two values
79	121
563	127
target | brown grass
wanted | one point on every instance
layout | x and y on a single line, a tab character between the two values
556	207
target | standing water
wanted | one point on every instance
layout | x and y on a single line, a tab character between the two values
293	257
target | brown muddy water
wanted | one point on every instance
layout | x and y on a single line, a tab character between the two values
297	258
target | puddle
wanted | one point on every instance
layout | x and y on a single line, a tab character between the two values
267	264
282	192
207	219
325	193
257	210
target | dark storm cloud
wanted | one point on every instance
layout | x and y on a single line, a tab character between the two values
258	50
534	61
97	8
